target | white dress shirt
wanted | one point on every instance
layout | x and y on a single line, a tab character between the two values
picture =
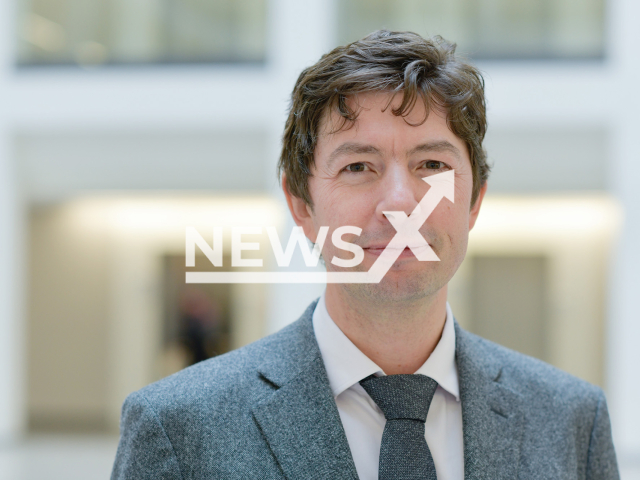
364	422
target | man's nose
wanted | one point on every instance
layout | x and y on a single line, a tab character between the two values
400	191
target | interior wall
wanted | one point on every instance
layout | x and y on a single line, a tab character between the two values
60	166
575	236
535	160
95	299
510	302
67	323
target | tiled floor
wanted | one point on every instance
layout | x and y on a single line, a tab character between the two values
79	457
629	470
59	457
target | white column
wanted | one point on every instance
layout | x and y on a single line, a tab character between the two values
302	32
624	332
12	365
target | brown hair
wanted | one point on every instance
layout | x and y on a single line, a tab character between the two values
384	61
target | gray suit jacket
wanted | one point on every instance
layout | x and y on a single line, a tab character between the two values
266	411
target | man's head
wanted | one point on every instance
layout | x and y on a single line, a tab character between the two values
367	122
423	70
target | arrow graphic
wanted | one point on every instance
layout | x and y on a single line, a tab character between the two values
407	235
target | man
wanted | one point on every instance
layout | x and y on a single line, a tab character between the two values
375	380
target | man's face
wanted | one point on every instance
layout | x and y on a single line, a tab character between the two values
377	165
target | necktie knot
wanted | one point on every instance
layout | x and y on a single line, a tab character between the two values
401	397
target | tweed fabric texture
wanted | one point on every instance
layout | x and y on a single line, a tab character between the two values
404	401
266	411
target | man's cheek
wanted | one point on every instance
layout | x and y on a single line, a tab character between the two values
348	215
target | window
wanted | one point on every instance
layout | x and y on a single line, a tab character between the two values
491	29
93	32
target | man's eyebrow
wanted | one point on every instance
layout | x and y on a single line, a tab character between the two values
351	148
437	146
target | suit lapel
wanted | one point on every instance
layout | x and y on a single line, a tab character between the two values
492	415
301	424
300	419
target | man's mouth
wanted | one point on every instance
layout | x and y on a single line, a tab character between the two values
406	252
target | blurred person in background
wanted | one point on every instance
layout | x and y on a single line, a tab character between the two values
198	325
375	381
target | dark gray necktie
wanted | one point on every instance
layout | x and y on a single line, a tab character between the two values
404	401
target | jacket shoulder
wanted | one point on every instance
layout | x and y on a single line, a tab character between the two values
530	376
235	375
565	420
204	412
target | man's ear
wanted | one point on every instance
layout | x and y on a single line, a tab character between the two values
475	209
301	212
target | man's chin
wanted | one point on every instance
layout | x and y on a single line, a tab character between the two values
407	281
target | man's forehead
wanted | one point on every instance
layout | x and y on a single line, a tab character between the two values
380	104
341	136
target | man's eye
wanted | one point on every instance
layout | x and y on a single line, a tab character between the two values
434	165
355	167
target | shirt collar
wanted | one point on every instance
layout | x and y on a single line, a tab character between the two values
346	365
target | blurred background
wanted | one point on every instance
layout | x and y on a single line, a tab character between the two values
123	122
